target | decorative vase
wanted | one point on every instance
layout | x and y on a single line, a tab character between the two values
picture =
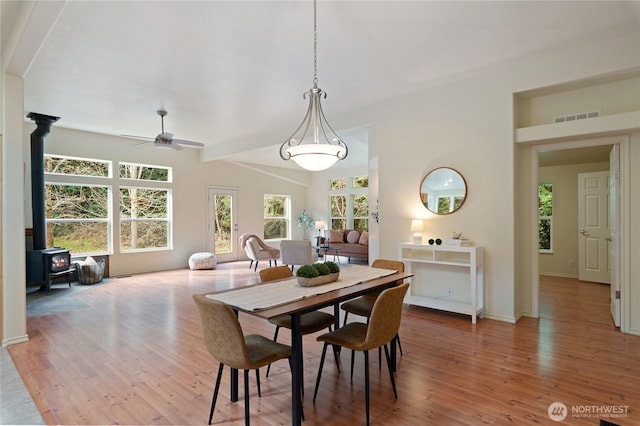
319	280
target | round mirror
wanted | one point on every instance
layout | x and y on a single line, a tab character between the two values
443	190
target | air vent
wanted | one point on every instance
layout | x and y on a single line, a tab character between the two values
577	116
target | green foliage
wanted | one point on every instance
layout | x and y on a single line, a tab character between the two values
307	271
333	267
322	268
545	199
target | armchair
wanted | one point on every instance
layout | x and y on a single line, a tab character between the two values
257	250
297	252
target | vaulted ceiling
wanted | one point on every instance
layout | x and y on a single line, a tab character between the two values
228	71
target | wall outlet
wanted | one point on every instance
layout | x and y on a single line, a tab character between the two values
450	290
572	263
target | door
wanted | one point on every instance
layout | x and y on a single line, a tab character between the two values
614	240
223	229
593	227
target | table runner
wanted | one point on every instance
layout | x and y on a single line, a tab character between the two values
269	295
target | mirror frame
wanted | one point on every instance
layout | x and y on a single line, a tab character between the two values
422	194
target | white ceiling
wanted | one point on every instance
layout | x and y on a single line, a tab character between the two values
227	71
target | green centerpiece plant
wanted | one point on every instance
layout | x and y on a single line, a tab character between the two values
317	274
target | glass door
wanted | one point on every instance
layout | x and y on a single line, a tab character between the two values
223	229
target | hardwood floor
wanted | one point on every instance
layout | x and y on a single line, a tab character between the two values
135	356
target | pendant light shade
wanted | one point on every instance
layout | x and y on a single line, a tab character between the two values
314	145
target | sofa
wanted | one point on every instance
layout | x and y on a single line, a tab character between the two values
352	243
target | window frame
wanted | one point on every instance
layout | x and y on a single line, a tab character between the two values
545	218
349	192
286	217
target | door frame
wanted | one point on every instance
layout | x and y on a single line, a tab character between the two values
235	254
623	219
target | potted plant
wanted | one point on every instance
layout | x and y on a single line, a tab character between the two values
317	274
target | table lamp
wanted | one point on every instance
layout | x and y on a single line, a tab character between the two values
319	226
417	226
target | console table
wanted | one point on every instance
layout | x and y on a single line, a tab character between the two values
445	277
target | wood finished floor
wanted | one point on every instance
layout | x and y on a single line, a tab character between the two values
135	356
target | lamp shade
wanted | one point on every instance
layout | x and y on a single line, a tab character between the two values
417	225
315	156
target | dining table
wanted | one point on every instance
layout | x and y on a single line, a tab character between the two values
287	297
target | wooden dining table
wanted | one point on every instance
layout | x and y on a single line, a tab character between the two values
286	297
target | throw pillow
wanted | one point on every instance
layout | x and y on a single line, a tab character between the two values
89	261
364	238
353	237
336	236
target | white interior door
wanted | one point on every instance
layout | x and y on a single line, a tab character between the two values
223	228
593	222
614	242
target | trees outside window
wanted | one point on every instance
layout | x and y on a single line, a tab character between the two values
277	216
144	211
79	213
545	218
77	217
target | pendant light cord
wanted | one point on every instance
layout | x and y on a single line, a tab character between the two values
315	46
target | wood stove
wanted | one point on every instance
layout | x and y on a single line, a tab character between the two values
48	264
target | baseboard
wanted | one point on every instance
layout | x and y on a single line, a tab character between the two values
15	340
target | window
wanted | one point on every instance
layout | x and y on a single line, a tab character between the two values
349	208
80	216
144	218
277	216
78	206
338	211
545	218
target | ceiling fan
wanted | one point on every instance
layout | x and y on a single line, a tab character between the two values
165	139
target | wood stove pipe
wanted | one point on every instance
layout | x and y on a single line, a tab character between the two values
43	128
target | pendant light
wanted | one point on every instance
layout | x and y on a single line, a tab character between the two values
314	145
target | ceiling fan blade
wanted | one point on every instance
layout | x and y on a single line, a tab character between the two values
145	142
175	146
144	138
185	142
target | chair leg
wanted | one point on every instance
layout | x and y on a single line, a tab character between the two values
393	381
246	397
256	267
215	392
251	264
353	355
366	383
258	382
324	352
399	345
346	314
275	338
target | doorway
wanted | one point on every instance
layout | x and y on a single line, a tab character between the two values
573	153
222	223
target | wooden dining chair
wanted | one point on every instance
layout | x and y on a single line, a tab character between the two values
362	305
381	328
310	322
225	341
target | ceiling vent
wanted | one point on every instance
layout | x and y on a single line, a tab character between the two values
577	116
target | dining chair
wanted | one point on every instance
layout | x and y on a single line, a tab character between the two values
310	322
362	305
225	341
381	328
